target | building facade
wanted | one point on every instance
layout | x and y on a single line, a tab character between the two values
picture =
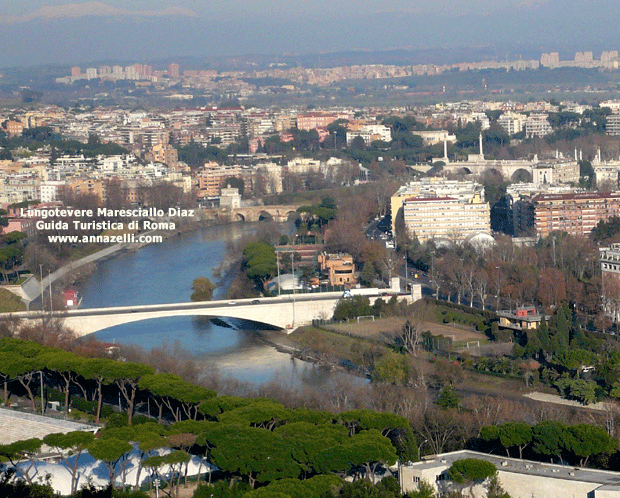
519	478
576	214
446	217
338	269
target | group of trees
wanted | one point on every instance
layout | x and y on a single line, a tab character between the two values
33	139
25	364
561	268
571	444
254	440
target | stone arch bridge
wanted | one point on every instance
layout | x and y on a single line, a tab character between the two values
259	213
509	169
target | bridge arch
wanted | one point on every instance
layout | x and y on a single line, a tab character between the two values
239	217
265	216
493	174
144	323
521	175
292	216
464	171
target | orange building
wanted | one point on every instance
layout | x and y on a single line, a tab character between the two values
576	214
338	269
14	128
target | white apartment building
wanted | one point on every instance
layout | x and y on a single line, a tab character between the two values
537	125
50	189
607	173
273	176
512	122
613	124
446	217
432	137
465	191
370	133
566	171
303	165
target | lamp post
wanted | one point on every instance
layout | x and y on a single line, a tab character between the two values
294	283
406	271
49	281
42	404
41	284
420	448
498	275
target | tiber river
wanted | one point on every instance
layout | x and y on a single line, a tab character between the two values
163	273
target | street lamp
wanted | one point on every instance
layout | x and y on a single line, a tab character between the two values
49	281
420	448
498	275
41	284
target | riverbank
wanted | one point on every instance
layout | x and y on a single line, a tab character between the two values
297	345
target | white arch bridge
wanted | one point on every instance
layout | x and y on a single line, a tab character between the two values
284	312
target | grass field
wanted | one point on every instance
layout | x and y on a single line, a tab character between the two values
382	328
9	302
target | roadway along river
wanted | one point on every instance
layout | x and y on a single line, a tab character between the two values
163	273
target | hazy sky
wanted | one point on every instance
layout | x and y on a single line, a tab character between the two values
227	9
66	31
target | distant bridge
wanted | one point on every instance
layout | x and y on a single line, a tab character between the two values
509	169
259	213
284	312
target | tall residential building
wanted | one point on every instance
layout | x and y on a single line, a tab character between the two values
173	70
434	187
613	124
446	217
576	214
512	122
550	59
537	125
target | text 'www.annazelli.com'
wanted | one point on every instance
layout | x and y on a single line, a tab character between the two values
126	238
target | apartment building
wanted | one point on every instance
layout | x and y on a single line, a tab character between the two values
446	217
311	120
433	137
512	122
610	274
537	125
369	133
435	187
211	178
560	171
576	214
613	124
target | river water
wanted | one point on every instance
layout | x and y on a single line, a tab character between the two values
163	273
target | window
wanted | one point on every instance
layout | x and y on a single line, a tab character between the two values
415	479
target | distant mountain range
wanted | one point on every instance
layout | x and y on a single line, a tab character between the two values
79	33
